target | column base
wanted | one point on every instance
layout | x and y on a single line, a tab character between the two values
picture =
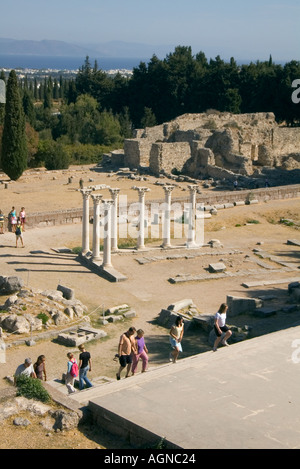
96	258
192	245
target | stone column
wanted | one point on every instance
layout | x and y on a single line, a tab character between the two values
141	233
85	221
192	217
107	234
167	221
114	218
96	226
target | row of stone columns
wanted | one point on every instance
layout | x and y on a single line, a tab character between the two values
110	242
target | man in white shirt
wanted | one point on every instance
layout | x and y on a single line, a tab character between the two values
25	369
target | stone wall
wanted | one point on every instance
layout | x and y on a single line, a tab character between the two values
236	140
286	140
137	152
166	157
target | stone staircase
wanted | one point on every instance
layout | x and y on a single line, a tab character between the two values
102	385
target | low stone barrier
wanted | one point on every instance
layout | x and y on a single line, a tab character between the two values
64	217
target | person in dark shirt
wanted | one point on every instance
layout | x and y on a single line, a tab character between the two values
85	365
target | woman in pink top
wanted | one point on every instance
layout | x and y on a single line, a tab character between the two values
141	352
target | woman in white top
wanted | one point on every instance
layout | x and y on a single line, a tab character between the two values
220	326
176	334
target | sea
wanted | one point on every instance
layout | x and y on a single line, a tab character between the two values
39	62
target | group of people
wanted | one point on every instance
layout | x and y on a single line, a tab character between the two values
131	349
222	332
16	224
38	369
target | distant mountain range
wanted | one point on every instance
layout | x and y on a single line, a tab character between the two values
64	49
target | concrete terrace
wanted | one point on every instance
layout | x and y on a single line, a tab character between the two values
245	396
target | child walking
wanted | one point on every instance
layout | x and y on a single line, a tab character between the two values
18	233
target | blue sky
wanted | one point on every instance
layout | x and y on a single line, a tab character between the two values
245	30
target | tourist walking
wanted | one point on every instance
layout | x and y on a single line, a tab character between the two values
72	373
40	368
22	216
141	352
18	233
85	365
176	334
125	351
12	220
220	327
1	222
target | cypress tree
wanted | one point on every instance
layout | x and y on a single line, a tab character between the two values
14	145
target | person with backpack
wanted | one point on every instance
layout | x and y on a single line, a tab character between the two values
72	373
18	233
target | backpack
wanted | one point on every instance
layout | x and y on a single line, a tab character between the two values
74	369
18	231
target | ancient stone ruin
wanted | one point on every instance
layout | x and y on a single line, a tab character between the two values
212	144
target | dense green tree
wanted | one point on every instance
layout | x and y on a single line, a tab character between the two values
125	123
149	119
28	108
52	154
14	146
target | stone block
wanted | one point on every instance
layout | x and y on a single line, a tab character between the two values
68	293
241	305
215	243
265	312
239	202
116	309
114	318
205	321
166	318
217	267
10	285
175	307
129	314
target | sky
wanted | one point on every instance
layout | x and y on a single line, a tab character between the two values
234	28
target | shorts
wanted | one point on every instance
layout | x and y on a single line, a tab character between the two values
175	344
223	329
125	360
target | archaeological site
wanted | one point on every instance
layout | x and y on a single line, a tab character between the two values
191	214
214	144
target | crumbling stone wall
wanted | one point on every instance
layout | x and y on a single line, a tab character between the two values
167	157
236	142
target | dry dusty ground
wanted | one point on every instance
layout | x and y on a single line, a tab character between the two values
147	289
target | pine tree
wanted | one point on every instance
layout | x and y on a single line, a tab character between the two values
14	146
